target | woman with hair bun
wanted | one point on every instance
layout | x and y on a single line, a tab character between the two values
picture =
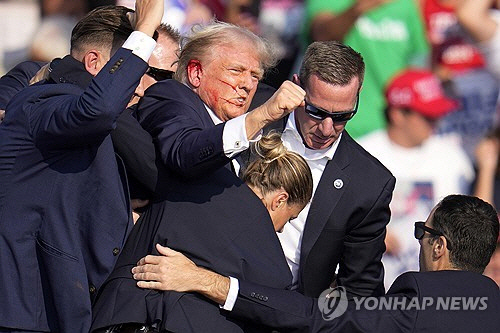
280	178
220	223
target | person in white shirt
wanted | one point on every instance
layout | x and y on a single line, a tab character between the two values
427	167
345	223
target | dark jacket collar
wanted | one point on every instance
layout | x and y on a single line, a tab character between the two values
69	70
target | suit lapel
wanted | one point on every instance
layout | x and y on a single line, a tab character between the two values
331	187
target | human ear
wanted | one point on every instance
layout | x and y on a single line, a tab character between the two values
194	73
439	247
280	198
91	61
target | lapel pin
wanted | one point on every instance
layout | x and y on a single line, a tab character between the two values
338	183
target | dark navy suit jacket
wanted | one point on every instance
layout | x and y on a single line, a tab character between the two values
64	212
201	209
292	312
346	224
17	79
133	145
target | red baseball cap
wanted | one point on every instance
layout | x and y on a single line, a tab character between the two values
419	90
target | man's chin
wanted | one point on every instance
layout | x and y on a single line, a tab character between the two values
318	145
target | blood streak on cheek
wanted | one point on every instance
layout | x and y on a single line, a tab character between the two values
234	87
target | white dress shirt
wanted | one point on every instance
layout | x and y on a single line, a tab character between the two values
291	237
234	136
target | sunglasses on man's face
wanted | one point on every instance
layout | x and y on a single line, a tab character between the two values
159	74
421	228
337	117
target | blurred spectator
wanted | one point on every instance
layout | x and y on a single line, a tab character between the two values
487	183
180	14
19	20
388	33
483	23
459	63
58	19
57	30
487	187
410	150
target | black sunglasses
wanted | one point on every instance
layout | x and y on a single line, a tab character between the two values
421	228
338	117
159	74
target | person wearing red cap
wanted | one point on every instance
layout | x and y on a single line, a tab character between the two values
426	166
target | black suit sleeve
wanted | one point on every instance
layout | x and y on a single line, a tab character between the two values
289	311
135	146
360	268
186	145
17	79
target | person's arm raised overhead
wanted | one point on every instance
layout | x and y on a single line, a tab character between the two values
148	15
474	16
334	26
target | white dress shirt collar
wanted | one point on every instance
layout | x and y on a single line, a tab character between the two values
294	142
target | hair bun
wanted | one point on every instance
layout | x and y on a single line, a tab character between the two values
270	147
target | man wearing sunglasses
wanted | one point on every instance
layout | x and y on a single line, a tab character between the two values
456	243
344	225
339	236
415	104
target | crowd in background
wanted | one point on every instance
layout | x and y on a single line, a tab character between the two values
429	159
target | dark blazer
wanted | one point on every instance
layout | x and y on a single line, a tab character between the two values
16	79
133	145
214	218
293	312
64	213
220	224
346	224
187	142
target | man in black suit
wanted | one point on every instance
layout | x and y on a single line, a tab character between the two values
133	145
448	294
63	208
200	205
345	223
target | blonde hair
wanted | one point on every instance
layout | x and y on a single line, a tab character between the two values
276	168
203	41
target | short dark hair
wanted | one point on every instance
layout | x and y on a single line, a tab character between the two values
471	226
106	27
333	63
169	31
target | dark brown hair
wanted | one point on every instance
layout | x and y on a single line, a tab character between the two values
332	62
276	168
105	27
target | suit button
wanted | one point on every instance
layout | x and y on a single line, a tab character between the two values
252	294
116	251
92	289
265	298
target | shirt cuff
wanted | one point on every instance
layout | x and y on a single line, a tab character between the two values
232	295
141	45
234	136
